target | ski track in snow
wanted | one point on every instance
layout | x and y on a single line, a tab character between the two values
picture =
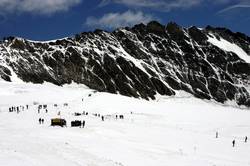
166	132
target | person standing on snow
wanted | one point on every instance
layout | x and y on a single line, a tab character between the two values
83	123
233	143
217	134
246	139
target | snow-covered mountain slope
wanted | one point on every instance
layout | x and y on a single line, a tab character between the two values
142	61
229	47
167	131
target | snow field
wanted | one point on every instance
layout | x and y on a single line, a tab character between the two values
173	131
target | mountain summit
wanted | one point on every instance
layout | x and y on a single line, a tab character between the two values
142	61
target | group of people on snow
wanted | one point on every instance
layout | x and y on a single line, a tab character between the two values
41	121
44	107
17	109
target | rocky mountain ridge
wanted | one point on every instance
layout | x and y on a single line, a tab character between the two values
142	61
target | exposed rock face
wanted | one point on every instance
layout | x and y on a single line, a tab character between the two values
140	62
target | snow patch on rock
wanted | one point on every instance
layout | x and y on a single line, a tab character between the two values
229	47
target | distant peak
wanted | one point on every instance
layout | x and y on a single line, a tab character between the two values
156	27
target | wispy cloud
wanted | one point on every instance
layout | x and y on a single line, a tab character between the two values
164	5
114	20
37	6
168	5
234	7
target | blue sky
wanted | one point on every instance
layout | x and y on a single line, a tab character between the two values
52	19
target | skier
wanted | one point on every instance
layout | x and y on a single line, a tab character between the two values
217	134
46	111
40	120
102	118
246	139
233	143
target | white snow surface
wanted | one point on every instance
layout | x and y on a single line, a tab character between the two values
166	132
46	41
229	47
